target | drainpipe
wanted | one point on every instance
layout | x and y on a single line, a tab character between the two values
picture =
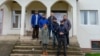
77	13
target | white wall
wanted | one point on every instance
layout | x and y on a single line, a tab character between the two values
29	9
7	24
60	6
86	33
6	20
9	7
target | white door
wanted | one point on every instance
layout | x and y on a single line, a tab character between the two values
1	21
59	17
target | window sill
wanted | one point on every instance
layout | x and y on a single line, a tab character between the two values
15	28
88	25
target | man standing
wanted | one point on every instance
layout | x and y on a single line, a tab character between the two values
35	24
55	26
50	21
61	31
67	24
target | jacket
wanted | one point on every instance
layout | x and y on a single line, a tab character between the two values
55	25
50	21
67	24
42	22
33	20
45	36
62	29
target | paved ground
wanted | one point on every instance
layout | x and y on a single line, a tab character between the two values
6	47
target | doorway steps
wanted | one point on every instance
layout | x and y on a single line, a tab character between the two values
35	49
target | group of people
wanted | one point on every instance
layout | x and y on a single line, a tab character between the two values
45	25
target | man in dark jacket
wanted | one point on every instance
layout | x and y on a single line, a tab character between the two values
55	25
61	38
67	24
50	20
35	24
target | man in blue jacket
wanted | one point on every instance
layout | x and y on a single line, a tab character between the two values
35	24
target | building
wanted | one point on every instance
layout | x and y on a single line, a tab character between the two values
84	15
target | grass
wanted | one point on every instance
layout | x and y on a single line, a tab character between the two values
92	54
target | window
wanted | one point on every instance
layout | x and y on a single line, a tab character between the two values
16	20
89	17
41	12
95	45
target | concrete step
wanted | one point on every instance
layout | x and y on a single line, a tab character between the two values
38	44
38	55
24	48
40	51
40	48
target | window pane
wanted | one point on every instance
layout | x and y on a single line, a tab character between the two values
15	22
95	45
17	12
93	17
84	17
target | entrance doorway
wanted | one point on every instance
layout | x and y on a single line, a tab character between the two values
1	21
41	12
60	9
30	9
59	15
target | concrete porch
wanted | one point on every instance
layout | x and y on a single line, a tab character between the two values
23	46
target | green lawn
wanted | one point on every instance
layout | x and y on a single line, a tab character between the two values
92	54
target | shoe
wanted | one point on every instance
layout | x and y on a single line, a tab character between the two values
33	38
37	38
49	38
54	47
40	42
67	46
46	53
43	53
33	49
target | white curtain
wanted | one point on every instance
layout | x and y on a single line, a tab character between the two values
93	17
84	19
59	16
